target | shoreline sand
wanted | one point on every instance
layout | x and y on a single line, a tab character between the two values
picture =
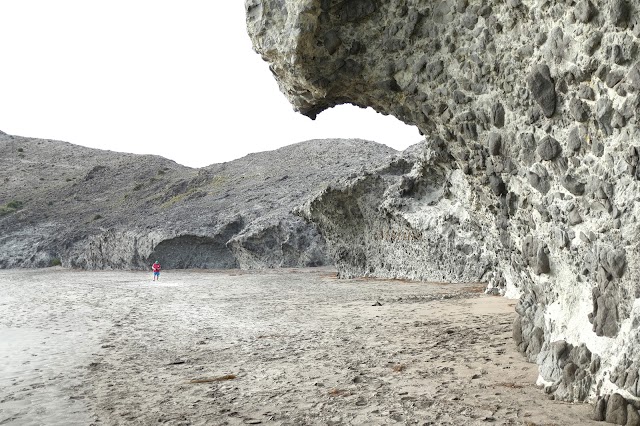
286	347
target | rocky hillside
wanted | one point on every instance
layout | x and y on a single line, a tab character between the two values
529	178
81	207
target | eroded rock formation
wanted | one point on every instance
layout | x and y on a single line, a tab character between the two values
528	178
86	208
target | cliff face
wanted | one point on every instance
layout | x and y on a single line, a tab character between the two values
86	208
528	178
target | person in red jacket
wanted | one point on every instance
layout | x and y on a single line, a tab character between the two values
156	270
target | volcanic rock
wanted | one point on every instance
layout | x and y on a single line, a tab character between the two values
472	202
86	208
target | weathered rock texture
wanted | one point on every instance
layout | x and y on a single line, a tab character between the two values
97	209
529	175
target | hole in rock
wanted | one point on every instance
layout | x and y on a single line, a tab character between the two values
352	122
190	251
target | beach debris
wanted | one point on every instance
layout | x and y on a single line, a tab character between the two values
214	379
510	385
377	304
398	368
339	392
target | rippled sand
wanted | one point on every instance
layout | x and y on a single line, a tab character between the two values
286	347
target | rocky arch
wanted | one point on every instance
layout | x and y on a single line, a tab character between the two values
191	251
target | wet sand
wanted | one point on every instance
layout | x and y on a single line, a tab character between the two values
283	347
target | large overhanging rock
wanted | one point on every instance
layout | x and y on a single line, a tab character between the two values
529	175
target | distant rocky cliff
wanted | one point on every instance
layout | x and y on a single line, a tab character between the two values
86	208
529	176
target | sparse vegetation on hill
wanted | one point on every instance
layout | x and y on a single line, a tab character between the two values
10	207
88	208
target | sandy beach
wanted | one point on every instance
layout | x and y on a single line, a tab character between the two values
283	347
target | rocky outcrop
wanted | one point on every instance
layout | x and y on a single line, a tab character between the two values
86	208
436	238
528	178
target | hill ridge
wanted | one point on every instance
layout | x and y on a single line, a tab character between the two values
96	209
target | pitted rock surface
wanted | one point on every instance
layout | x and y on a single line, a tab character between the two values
528	178
96	209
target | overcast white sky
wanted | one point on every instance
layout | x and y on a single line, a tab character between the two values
177	78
